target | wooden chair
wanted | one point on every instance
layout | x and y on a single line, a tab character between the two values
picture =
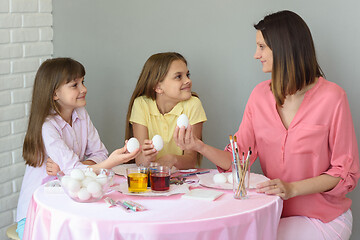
11	232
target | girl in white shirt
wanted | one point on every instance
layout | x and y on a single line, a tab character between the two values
60	134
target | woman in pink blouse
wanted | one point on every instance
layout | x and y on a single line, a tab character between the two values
300	127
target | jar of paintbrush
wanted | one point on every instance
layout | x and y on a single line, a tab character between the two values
240	170
240	173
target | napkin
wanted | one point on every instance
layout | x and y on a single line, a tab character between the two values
202	194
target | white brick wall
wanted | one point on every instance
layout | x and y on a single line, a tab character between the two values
26	36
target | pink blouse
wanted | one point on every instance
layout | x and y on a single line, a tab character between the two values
320	140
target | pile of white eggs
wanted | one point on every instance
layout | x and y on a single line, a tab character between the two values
85	185
221	178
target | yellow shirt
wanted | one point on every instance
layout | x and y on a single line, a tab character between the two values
146	113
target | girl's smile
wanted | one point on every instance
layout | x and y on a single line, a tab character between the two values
186	88
175	87
71	95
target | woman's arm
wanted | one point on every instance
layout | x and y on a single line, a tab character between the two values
286	190
190	157
148	152
187	140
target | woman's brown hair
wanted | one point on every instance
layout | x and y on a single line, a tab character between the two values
153	72
294	58
50	76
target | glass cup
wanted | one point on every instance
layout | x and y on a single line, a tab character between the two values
137	179
151	166
241	179
160	178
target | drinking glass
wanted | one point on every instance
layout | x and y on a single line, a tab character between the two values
151	166
137	179
160	178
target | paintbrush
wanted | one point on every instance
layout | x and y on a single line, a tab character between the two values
234	156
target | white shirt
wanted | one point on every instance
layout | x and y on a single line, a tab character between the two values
66	145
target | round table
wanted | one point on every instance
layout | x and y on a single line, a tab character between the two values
56	216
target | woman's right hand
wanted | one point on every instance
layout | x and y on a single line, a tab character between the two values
186	140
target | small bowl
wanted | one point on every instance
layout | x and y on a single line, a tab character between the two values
86	185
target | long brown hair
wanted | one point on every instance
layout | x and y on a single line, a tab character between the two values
294	58
153	72
51	75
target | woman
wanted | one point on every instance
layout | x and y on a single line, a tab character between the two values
300	127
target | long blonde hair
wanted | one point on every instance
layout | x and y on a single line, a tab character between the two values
51	75
153	72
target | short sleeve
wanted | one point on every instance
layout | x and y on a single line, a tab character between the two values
195	111
139	112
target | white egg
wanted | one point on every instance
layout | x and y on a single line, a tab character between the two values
132	144
90	173
158	142
183	120
72	194
73	185
97	194
230	178
83	194
77	174
86	181
94	187
219	178
102	179
65	181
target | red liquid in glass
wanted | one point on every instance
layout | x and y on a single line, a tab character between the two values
160	181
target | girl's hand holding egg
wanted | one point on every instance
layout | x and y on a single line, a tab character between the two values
132	145
119	156
158	142
148	152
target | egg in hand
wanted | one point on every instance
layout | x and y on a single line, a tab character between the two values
182	120
158	142
132	144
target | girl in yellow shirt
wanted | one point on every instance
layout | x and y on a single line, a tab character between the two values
162	94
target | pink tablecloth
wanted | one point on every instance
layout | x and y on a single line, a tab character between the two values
56	216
